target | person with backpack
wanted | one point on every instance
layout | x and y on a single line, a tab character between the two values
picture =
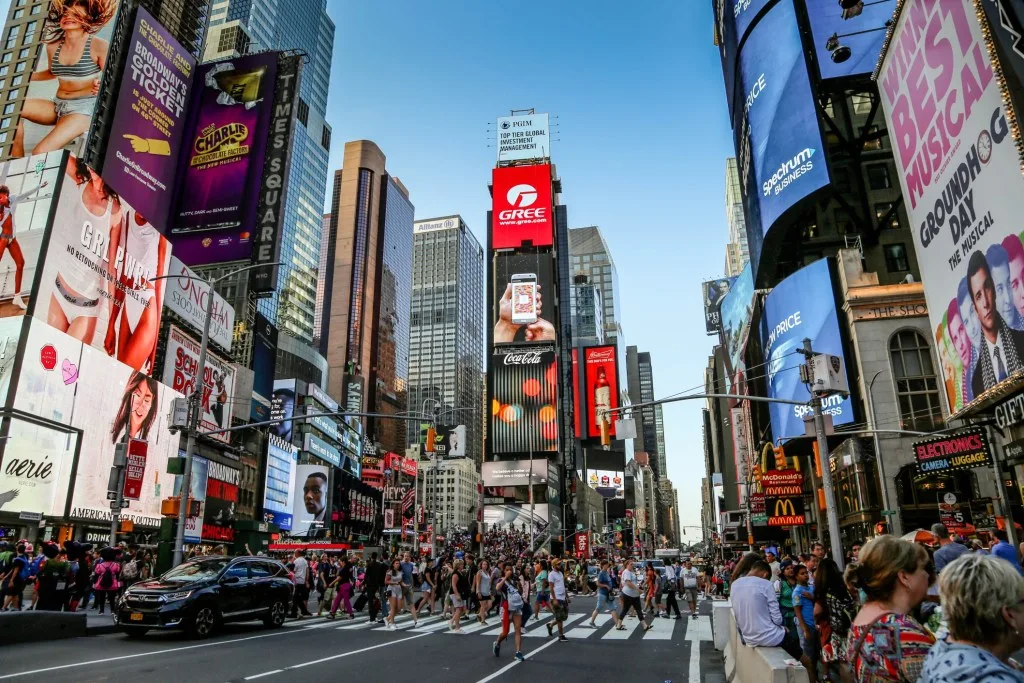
107	580
52	579
130	570
15	579
509	590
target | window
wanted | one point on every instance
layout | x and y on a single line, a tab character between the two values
881	211
302	114
810	231
240	570
8	108
896	258
325	137
878	176
916	387
874	144
862	103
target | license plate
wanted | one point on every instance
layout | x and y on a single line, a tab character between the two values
136	616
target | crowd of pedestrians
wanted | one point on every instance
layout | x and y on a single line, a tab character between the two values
934	610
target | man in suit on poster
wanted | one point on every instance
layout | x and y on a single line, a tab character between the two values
1002	348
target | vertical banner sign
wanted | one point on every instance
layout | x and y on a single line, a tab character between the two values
602	377
582	545
714	293
181	363
959	169
267	245
135	471
146	136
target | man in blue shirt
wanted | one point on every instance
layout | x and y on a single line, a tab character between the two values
803	603
604	599
1005	550
948	550
408	569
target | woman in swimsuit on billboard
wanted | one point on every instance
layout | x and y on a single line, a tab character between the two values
78	296
137	299
76	58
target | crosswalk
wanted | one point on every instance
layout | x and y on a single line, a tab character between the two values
576	627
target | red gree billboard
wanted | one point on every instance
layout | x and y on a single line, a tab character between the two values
522	207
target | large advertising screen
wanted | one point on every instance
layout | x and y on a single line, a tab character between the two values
714	292
523	214
608	483
737	308
282	408
514	472
522	284
602	382
523	138
524	400
37	464
197	491
218	186
860	36
787	152
219	510
960	174
309	506
789	317
517	517
27	186
451	441
99	275
181	364
141	158
190	297
264	362
67	382
62	89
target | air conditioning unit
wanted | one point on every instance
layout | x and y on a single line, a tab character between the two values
733	518
731	536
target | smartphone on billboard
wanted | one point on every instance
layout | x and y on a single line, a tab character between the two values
524	298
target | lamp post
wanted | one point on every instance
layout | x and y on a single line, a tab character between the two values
195	402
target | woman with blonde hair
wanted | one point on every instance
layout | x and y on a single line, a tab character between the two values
885	642
983	604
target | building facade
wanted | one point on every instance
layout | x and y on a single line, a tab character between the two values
245	26
446	344
737	252
591	257
587	313
449	492
368	291
321	282
650	428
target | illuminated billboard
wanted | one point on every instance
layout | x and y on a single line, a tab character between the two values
523	212
524	400
602	386
523	310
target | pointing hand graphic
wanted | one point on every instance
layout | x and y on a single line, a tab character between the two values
149	146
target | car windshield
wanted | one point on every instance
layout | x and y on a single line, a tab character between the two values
197	570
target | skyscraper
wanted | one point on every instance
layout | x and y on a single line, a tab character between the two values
244	26
737	253
592	258
446	345
650	432
326	258
367	292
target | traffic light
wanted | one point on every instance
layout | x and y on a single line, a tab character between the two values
127	526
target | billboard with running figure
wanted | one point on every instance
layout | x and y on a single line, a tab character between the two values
960	171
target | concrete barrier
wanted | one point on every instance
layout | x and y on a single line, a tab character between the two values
757	664
720	613
33	626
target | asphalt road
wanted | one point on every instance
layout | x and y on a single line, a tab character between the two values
320	650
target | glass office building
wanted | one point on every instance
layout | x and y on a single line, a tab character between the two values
446	347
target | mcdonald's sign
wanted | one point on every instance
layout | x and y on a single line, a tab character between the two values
785	511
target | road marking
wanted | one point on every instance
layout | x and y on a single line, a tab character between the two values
515	662
105	660
542	631
696	631
629	629
586	631
661	629
265	673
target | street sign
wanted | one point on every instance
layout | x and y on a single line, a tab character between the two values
135	470
31	516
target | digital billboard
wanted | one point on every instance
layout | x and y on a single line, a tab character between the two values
523	138
714	292
67	382
264	362
37	464
602	382
282	407
27	187
608	483
451	441
786	150
737	309
141	158
524	400
514	472
523	282
959	170
516	516
189	298
309	506
181	363
62	90
789	317
100	271
197	491
522	207
219	510
222	168
860	37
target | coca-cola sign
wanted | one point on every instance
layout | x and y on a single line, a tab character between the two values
524	358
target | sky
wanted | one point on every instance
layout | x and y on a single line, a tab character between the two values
636	96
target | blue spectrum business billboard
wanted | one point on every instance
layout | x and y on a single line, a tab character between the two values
787	153
801	306
862	34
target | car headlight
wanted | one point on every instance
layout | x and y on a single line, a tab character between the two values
174	597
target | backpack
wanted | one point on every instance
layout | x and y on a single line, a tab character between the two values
106	572
131	570
515	598
465	590
26	570
36	564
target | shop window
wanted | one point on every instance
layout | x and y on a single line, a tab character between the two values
916	385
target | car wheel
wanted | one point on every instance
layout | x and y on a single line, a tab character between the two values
278	612
204	622
135	633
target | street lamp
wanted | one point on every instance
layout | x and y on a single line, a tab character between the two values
195	401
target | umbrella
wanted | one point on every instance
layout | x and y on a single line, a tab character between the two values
919	536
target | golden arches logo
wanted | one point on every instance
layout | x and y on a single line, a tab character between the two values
784	507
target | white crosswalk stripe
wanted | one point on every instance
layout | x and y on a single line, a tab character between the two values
585	631
542	630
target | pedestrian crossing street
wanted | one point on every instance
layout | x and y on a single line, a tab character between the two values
576	627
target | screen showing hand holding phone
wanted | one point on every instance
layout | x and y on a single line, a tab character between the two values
524	298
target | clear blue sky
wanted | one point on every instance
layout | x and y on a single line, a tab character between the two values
643	136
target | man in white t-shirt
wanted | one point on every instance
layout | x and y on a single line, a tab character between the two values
773	561
688	584
300	570
559	598
631	596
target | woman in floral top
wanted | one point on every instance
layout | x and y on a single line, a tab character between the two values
886	643
833	611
